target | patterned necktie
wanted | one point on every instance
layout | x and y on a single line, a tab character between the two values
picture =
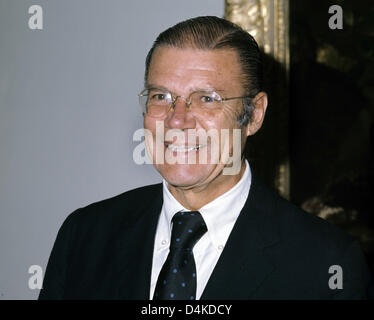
177	278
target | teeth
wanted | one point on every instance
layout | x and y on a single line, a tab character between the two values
183	148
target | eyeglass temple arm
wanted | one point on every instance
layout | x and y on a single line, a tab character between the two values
232	98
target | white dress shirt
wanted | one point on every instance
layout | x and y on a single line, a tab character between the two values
219	216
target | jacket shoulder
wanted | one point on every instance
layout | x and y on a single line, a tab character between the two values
296	223
300	230
292	221
112	210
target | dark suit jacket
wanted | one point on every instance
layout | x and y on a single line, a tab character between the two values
275	251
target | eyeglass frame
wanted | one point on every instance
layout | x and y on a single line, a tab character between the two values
187	99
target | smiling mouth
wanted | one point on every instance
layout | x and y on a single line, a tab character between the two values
175	148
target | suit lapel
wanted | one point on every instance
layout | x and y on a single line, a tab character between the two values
135	249
245	262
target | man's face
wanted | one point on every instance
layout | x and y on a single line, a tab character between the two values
181	72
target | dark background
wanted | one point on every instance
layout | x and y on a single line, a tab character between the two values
331	124
321	117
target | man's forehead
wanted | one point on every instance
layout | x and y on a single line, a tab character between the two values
204	64
207	59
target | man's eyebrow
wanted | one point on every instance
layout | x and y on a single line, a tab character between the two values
193	89
207	88
154	86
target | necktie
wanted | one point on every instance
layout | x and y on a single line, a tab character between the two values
177	278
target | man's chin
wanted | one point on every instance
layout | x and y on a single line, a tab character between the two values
183	182
184	175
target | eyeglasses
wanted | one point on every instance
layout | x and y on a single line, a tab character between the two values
157	102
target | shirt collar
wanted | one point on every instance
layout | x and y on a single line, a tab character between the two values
220	214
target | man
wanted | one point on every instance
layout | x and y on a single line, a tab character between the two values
211	230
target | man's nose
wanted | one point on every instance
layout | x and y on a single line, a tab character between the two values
179	115
180	105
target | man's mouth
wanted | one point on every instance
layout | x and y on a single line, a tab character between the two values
183	148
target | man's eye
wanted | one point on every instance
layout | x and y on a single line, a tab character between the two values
207	99
158	96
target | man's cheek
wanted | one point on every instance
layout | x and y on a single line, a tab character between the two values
154	141
230	151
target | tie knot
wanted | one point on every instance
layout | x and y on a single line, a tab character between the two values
188	228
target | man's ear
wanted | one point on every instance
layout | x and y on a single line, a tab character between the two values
260	103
